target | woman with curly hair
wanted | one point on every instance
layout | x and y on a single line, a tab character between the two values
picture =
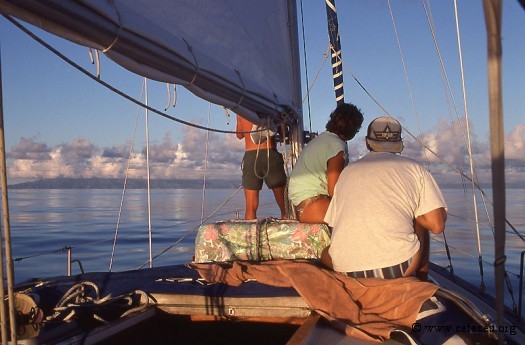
313	178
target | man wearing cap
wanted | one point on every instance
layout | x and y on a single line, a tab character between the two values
381	204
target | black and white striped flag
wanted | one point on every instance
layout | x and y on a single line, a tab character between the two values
337	63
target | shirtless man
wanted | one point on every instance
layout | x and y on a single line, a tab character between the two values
261	162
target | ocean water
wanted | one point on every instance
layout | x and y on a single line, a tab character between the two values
45	222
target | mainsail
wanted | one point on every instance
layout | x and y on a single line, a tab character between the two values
249	69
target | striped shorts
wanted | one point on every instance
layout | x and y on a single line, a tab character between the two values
391	272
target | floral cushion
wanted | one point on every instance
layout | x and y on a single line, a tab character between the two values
262	239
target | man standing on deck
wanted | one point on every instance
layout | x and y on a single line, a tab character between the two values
382	204
261	162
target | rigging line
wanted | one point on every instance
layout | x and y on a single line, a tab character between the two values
430	20
125	182
56	251
447	249
488	224
469	145
406	76
447	83
108	86
306	67
148	175
474	175
196	227
441	63
449	257
309	89
450	165
205	166
471	255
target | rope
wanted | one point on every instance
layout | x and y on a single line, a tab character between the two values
150	235
469	145
87	295
446	87
205	166
411	95
169	96
267	154
325	55
125	183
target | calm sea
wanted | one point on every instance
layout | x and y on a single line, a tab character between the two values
44	222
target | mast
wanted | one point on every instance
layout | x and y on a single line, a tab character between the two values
7	237
296	129
493	9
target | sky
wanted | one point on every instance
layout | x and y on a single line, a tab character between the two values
59	123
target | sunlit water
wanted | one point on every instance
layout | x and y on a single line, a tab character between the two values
43	222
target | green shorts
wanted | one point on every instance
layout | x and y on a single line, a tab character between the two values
253	173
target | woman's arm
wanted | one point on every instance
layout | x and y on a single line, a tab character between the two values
335	166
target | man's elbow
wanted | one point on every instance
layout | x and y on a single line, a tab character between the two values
434	220
438	228
439	222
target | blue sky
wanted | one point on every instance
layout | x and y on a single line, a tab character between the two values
61	123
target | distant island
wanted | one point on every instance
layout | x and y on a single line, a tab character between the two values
116	183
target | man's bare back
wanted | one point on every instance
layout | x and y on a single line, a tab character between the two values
246	127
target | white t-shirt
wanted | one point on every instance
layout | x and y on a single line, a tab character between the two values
375	202
308	177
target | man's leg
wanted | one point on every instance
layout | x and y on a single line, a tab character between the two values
252	203
278	193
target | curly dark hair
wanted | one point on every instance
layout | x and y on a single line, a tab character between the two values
345	120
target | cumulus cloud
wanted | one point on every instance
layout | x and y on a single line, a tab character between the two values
29	149
515	147
187	158
447	153
81	158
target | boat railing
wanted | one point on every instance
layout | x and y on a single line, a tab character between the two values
70	261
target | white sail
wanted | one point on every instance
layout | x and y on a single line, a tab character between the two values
236	53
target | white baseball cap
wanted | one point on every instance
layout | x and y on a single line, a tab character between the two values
384	135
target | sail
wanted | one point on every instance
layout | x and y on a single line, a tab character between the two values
235	53
335	45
